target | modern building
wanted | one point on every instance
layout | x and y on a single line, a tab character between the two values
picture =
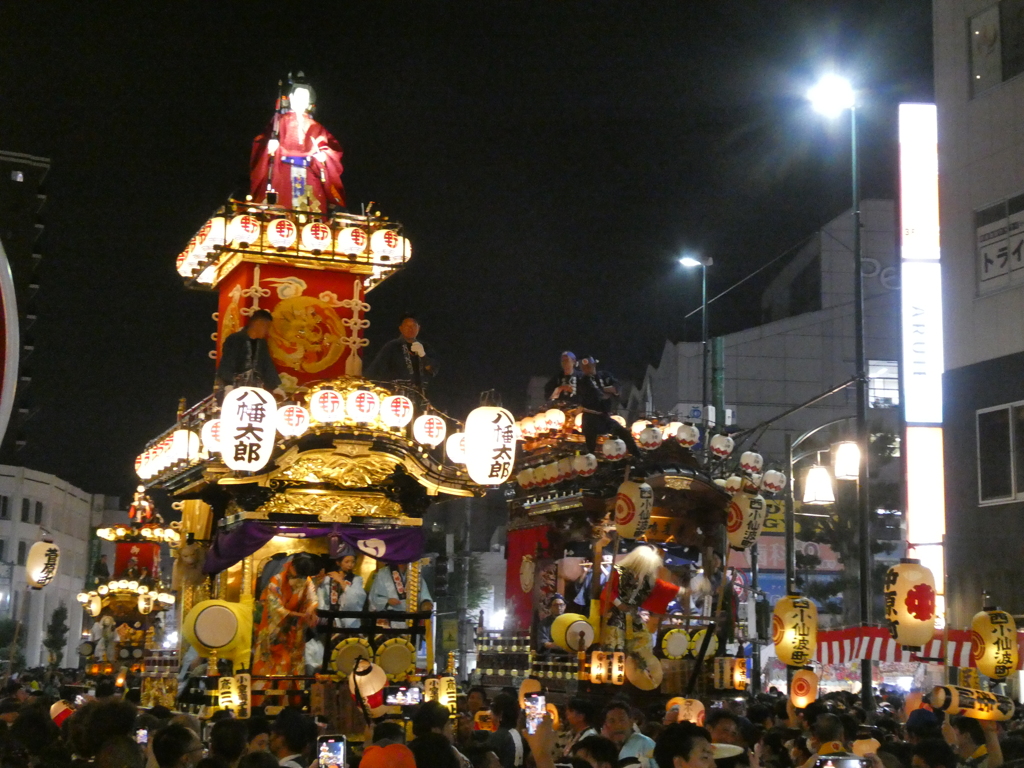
21	198
32	504
979	55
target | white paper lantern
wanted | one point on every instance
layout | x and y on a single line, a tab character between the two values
540	423
613	449
639	426
670	429
555	419
94	606
585	464
490	445
362	405
316	237
733	483
386	244
351	241
429	429
210	435
184	446
281	233
396	411
618	420
248	431
751	461
650	438
292	420
722	445
244	230
528	427
634	503
525	479
566	471
216	233
688	435
455	447
326	406
773	481
42	563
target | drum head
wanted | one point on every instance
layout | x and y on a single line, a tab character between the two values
566	629
216	626
86	649
645	679
397	658
698	640
346	653
675	644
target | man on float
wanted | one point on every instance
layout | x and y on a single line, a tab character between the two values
388	593
245	358
561	389
596	390
404	360
555	609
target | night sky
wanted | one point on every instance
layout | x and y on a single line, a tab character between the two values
549	160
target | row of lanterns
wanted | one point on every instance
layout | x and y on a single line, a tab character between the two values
282	233
180	448
146	601
552	473
149	533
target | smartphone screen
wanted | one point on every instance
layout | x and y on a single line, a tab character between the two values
402	696
536	708
142	736
330	751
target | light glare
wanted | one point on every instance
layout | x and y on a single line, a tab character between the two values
831	96
689	261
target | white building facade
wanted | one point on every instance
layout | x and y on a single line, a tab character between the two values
30	502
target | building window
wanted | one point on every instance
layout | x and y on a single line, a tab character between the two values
5	507
26	511
22	552
3	549
996	44
1001	453
883	383
39	513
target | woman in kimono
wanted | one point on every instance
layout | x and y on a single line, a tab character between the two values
342	590
286	608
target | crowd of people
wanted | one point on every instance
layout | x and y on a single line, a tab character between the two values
108	729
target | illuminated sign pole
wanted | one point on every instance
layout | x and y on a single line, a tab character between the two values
921	290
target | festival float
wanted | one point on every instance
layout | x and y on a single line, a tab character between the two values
328	467
127	607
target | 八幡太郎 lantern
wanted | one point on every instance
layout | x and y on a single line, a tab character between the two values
248	431
994	642
795	630
490	445
803	690
909	590
745	518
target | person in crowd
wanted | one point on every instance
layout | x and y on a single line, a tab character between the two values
388	732
432	745
480	756
922	724
800	751
387	593
245	358
120	752
773	749
724	728
404	359
476	700
286	609
684	745
619	725
598	751
258	734
229	740
976	742
259	759
556	607
342	589
597	391
933	753
178	747
289	737
581	716
506	742
828	737
562	388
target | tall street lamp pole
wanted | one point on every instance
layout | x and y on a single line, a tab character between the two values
703	262
832	96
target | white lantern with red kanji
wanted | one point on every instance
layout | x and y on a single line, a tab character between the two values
42	563
429	429
585	464
244	230
216	235
455	447
248	429
210	435
327	406
282	233
722	445
316	237
362	405
292	420
386	244
909	592
634	503
351	241
650	438
773	481
396	411
688	435
490	445
744	518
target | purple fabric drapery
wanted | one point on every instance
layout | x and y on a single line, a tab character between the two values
389	545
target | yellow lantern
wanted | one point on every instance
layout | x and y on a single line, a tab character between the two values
599	667
994	642
616	662
145	604
529	427
803	689
795	630
909	591
745	518
687	710
490	445
41	565
220	627
980	705
730	673
572	632
633	506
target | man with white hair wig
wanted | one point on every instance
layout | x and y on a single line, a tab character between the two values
634	586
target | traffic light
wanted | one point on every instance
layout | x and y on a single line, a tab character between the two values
441	576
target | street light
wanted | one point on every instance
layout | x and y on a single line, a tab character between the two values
703	262
818	486
847	461
831	97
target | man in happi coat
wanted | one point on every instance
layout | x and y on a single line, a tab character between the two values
404	359
388	592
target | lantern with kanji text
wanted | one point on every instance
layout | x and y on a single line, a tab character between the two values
722	445
244	230
650	438
455	447
974	703
745	518
362	405
316	237
688	435
613	449
634	503
386	244
751	461
210	436
795	630
42	563
994	642
429	429
396	411
351	240
909	591
490	445
326	406
773	481
281	233
585	464
248	431
292	420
